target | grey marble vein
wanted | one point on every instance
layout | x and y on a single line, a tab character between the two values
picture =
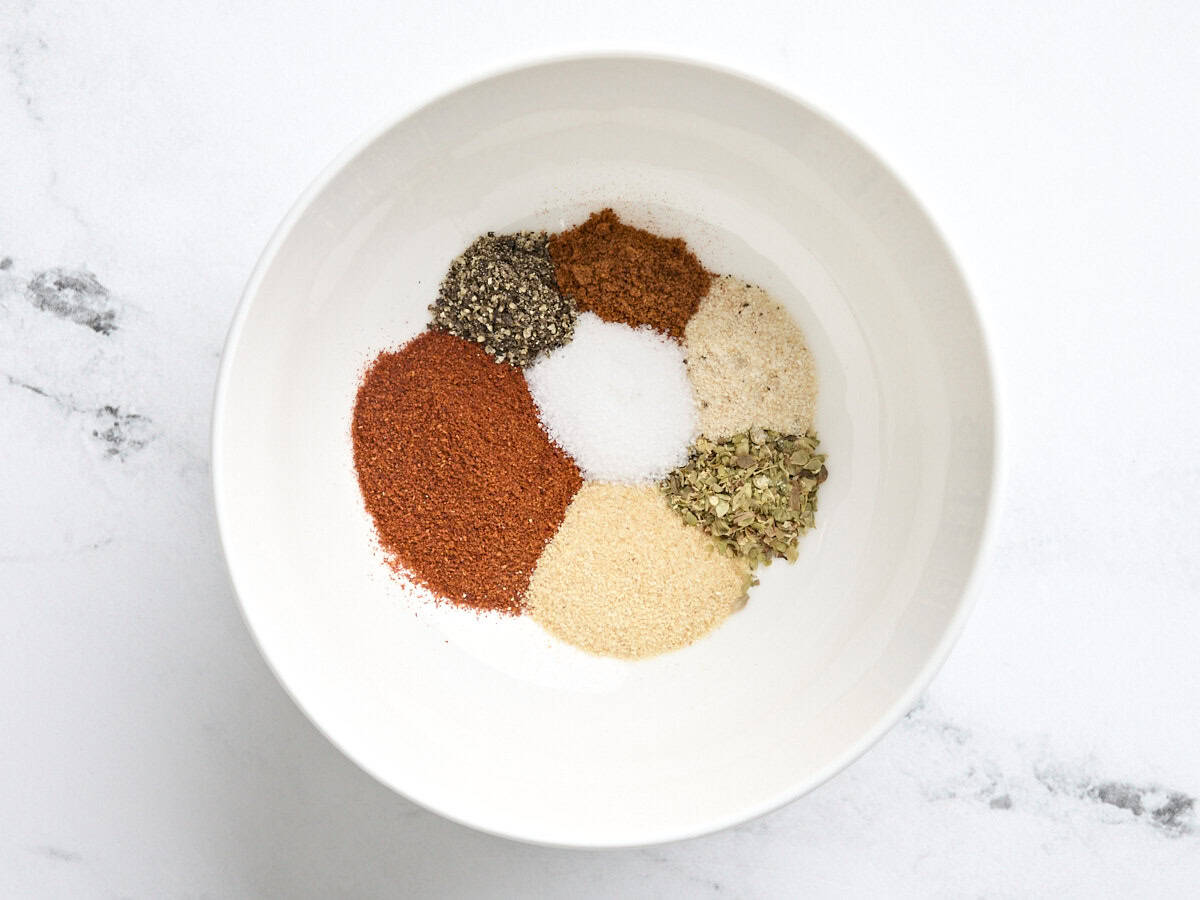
121	434
1169	811
18	50
76	295
58	854
972	770
49	367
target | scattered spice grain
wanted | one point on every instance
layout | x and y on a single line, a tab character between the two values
626	274
464	487
749	363
501	293
625	577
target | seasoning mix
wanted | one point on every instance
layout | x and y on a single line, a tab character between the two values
596	432
618	400
463	484
624	576
501	293
626	274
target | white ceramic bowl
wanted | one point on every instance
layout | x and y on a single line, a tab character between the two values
491	722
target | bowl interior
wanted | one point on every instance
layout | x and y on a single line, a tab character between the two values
487	720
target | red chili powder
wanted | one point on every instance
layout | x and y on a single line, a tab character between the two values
463	484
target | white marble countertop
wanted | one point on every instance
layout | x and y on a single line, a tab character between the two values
146	152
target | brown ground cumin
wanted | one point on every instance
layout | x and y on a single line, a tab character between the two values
625	274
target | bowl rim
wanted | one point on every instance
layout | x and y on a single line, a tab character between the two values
989	382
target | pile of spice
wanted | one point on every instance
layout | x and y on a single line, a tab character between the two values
618	400
502	293
625	577
596	432
455	469
755	493
625	274
749	363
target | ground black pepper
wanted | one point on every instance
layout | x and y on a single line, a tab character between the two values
501	293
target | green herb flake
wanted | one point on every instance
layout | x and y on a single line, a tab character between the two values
754	493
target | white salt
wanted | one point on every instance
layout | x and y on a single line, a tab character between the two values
618	400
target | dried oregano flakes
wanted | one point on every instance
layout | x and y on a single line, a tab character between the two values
755	492
501	293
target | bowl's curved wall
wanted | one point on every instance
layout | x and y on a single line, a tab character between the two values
489	722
